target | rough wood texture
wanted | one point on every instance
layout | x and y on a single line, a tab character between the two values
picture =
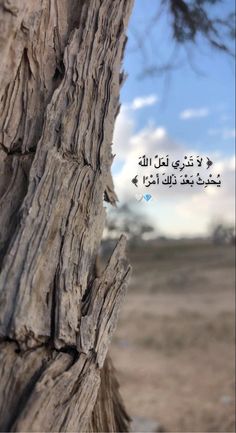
46	390
60	80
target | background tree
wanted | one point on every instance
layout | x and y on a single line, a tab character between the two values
191	22
222	233
127	220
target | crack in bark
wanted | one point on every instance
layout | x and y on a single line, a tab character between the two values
25	395
60	100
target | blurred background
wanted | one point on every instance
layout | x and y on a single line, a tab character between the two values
174	345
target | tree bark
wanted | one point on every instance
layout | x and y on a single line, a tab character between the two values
60	81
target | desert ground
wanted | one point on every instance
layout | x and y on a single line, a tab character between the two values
174	345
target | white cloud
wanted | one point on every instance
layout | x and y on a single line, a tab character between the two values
229	133
224	133
123	133
143	101
191	113
232	163
176	211
218	202
214	131
225	118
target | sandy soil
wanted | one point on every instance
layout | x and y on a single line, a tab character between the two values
174	346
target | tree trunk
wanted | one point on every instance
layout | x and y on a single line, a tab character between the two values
60	81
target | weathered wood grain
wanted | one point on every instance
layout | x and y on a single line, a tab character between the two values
60	81
109	413
45	390
33	38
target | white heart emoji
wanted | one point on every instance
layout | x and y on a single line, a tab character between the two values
138	197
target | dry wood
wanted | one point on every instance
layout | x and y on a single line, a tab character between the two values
59	97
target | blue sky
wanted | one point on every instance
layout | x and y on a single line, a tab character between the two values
192	111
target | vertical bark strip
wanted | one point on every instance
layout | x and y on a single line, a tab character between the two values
59	97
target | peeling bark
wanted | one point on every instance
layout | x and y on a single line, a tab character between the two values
60	81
